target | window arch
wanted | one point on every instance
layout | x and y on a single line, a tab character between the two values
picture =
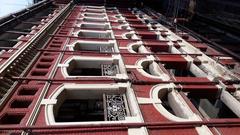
137	48
151	69
83	66
98	46
72	104
95	34
172	105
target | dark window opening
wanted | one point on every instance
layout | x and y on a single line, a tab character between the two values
48	54
135	48
94	15
163	95
11	119
178	70
27	91
87	34
101	47
151	68
88	105
146	68
94	26
81	110
46	59
39	73
210	106
131	36
92	68
181	72
90	19
139	49
98	11
21	104
159	49
85	72
43	65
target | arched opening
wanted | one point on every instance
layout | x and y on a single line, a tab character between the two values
93	19
151	68
164	97
95	26
171	104
130	36
90	105
210	105
94	15
125	27
138	48
178	69
76	103
95	10
95	34
79	67
94	46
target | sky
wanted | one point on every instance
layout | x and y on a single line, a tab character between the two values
11	6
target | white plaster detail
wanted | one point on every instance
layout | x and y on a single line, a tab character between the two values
130	35
176	102
63	65
237	95
196	71
137	47
137	131
124	26
210	66
123	48
231	102
142	100
154	69
178	105
150	57
133	66
49	101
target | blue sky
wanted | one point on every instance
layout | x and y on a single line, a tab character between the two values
10	6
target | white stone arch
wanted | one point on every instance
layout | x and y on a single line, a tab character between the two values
155	69
178	104
114	59
139	45
57	97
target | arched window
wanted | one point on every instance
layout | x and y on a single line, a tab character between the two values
151	69
130	35
172	104
82	66
103	26
137	48
213	105
94	15
94	34
97	46
92	103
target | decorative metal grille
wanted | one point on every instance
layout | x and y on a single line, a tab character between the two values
106	49
116	109
109	69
